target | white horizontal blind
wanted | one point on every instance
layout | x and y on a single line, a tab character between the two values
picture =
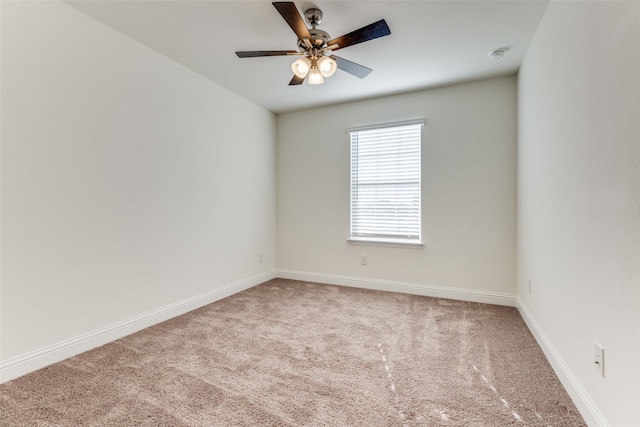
385	183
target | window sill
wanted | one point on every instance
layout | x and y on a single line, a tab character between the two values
387	243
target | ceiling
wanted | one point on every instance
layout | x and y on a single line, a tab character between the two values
432	43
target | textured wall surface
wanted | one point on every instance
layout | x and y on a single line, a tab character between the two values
468	188
579	195
128	181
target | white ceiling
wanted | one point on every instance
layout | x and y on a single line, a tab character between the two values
432	43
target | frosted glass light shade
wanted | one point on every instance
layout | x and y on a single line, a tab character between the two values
301	67
315	76
327	66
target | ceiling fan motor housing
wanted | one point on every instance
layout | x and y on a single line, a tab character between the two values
320	39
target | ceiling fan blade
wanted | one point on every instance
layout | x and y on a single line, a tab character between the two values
290	14
296	80
256	53
370	32
351	67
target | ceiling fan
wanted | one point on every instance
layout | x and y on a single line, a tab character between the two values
315	47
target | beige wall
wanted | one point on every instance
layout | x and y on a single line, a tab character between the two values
130	185
469	193
579	200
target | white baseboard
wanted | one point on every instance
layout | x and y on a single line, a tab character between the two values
407	288
587	407
32	361
35	360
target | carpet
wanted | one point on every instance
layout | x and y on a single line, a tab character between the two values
289	353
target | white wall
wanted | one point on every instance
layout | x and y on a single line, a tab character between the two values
579	200
469	194
130	184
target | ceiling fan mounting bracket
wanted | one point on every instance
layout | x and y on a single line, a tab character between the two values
313	16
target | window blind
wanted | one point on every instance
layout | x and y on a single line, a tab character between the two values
385	182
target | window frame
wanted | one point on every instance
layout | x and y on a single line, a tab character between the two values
378	239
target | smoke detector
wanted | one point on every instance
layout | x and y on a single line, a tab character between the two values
497	54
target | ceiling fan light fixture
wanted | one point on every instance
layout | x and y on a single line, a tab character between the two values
327	66
315	76
301	67
316	46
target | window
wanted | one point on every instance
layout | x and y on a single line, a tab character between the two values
385	183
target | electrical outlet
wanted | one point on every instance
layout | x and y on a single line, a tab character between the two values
363	260
598	358
529	286
261	257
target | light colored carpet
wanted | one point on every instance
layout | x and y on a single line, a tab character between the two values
295	353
